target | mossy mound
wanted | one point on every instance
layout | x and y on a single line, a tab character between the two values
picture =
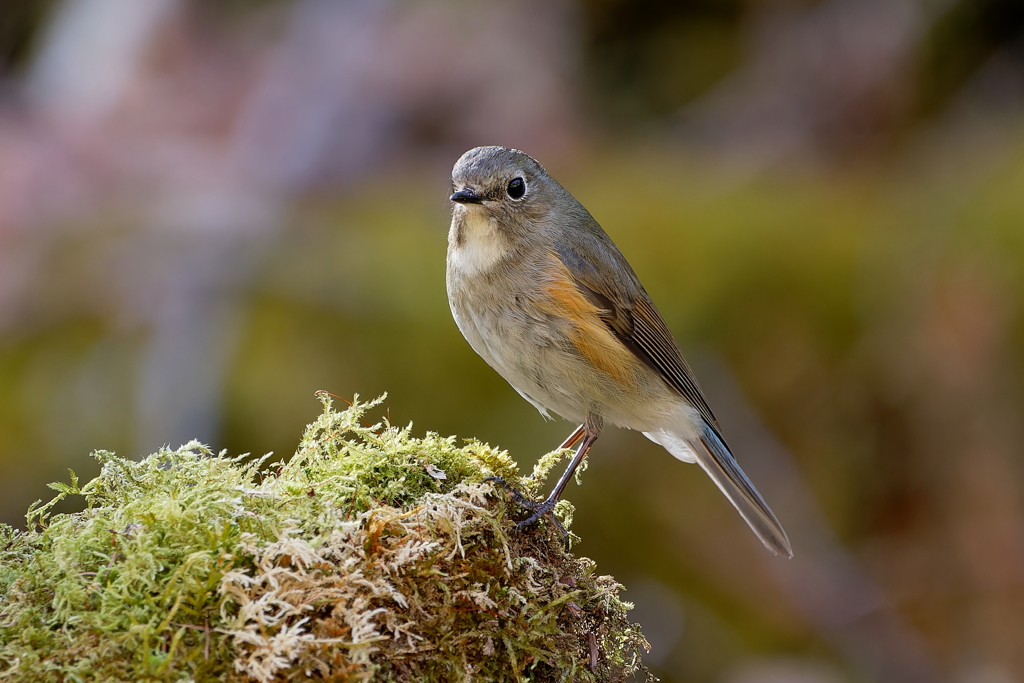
370	555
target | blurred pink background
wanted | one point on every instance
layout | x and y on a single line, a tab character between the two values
208	211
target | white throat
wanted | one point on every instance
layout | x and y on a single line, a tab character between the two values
482	244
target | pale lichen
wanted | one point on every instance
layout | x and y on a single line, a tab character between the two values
369	555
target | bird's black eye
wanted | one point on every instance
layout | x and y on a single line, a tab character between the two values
516	188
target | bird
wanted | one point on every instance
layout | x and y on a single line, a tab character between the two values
544	296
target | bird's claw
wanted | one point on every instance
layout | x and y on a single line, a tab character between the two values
517	496
543	509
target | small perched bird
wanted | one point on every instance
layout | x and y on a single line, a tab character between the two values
546	298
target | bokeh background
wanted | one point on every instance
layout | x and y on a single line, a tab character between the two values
209	209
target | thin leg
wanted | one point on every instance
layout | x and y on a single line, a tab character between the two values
548	505
581	452
574	438
588	433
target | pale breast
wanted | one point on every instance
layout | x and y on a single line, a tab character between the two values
474	242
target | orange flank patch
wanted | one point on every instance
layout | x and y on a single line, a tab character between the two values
588	333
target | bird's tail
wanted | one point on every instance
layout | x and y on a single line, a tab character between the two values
714	457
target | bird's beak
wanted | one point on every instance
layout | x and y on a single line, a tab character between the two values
467	197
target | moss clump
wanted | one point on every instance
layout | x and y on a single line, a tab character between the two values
370	555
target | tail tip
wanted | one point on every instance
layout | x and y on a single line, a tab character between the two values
779	545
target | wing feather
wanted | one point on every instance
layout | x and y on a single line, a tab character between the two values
630	314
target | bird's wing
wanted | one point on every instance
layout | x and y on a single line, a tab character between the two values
629	313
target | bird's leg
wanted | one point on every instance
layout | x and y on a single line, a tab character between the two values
574	438
517	496
589	436
586	434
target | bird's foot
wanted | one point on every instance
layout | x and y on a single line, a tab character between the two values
543	509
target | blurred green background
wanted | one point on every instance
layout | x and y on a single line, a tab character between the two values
209	210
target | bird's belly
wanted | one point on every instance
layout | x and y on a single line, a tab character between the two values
538	356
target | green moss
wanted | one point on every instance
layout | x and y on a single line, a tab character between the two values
370	555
